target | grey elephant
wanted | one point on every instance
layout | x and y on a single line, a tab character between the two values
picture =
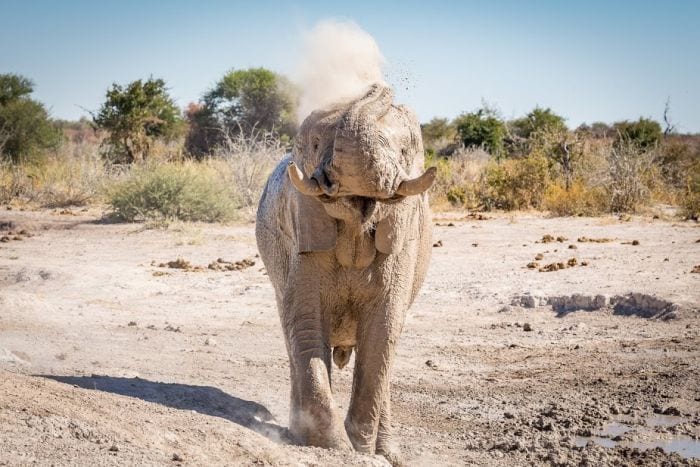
344	231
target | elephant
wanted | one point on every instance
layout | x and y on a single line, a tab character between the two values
347	249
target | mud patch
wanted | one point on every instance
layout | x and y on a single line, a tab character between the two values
645	437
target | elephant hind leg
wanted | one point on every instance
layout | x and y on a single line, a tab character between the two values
341	356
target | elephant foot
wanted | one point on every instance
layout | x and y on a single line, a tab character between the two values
332	439
361	440
391	454
329	435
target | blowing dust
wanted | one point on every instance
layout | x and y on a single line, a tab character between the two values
339	61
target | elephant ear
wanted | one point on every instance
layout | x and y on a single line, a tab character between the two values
315	230
395	229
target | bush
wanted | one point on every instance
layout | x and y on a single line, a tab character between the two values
457	178
482	129
245	162
690	204
184	191
578	200
515	183
74	176
644	133
537	120
630	170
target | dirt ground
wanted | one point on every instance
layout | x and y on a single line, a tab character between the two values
110	355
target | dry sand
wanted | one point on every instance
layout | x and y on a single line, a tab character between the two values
108	358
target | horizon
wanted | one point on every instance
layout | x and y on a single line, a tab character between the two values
588	63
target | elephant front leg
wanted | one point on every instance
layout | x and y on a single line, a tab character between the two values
368	420
385	447
314	419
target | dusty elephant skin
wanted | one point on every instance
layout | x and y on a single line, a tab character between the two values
347	249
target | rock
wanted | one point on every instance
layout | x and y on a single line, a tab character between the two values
527	327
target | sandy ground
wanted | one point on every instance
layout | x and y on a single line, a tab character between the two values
108	358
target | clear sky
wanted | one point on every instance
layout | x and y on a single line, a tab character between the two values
588	60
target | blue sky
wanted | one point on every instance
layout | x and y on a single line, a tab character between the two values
588	61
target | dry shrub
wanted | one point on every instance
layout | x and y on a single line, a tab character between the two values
245	163
690	200
579	200
630	168
74	176
515	183
457	178
187	191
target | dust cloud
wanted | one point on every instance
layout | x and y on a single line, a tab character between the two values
339	60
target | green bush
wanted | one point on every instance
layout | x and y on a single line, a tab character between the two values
482	129
537	120
644	133
186	191
515	183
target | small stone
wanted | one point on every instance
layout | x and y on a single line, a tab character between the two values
177	457
132	323
573	247
527	327
539	256
437	244
431	364
635	242
508	415
114	448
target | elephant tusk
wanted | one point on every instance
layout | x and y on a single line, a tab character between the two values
418	185
301	182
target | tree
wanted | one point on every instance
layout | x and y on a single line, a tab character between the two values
246	101
482	128
645	133
26	131
135	116
537	120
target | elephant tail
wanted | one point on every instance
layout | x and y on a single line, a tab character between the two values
341	356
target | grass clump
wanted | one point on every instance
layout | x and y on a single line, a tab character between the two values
185	191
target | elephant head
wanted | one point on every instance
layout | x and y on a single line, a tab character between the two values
355	160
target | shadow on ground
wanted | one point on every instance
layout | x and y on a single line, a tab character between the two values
206	400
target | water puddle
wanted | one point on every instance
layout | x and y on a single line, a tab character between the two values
682	445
